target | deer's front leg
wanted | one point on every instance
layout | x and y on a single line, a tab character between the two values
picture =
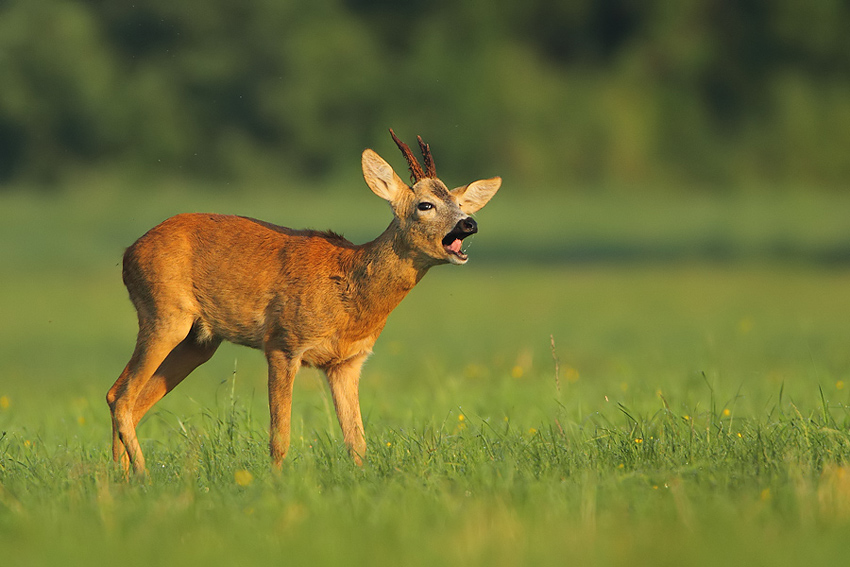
282	371
344	380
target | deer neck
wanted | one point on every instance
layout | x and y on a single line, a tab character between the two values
386	269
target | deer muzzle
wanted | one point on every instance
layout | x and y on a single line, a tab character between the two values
453	240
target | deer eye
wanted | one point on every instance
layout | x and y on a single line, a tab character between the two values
425	206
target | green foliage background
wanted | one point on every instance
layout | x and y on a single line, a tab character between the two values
696	93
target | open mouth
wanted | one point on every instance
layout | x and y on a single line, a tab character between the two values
452	243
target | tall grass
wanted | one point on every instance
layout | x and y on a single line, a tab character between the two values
465	489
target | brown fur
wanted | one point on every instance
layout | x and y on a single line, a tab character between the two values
302	297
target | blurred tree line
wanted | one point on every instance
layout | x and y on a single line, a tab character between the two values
549	93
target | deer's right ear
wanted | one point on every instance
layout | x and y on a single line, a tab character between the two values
381	178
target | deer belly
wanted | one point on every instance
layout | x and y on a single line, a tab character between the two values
245	327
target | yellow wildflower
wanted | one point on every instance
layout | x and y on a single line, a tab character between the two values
243	477
461	422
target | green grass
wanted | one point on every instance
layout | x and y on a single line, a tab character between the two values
699	416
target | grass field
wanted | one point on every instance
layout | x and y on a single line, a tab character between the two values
699	415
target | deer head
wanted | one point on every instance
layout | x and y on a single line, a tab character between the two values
431	220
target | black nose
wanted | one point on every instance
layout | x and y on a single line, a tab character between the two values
467	225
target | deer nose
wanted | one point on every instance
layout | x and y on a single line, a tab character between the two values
467	225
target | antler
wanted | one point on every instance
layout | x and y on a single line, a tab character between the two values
430	170
416	171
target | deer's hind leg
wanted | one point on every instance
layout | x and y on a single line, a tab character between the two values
153	345
180	362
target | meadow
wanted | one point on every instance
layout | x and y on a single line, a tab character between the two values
613	379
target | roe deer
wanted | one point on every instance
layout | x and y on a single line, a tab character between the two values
301	296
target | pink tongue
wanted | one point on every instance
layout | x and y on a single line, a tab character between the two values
454	246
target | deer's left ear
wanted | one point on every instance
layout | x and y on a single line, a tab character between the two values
472	197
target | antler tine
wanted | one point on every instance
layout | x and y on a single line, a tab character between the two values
416	172
430	170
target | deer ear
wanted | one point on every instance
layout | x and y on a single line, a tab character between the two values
472	197
381	178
